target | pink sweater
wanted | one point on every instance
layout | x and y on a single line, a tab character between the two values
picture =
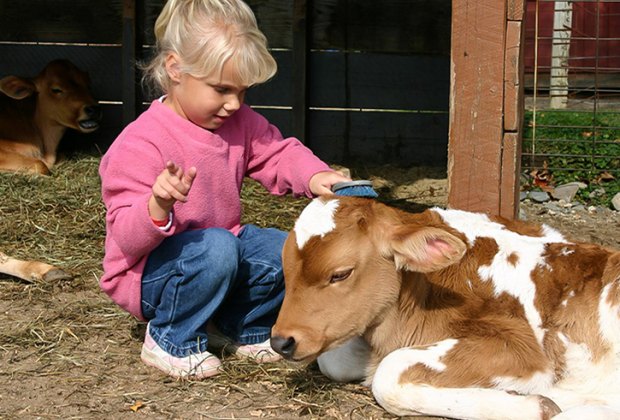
246	145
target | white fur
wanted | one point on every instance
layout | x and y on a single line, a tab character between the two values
317	219
508	278
473	403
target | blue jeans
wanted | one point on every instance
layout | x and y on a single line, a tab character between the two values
212	275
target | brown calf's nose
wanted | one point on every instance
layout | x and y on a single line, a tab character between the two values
93	111
284	346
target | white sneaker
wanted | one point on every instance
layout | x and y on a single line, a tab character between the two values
260	352
198	366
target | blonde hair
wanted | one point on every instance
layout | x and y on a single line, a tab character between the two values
205	34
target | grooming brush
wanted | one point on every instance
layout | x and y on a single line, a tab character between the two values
361	188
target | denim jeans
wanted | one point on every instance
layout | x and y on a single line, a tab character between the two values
207	275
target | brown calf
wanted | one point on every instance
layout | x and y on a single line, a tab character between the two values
454	314
35	113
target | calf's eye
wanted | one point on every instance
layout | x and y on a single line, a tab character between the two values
340	275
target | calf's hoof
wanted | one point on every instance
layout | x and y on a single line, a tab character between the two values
548	409
56	274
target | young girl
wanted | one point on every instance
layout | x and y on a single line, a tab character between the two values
175	252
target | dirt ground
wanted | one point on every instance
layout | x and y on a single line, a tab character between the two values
67	352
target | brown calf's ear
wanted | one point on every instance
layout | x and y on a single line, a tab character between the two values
425	249
16	87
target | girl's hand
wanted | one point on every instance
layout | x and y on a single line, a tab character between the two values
321	182
171	185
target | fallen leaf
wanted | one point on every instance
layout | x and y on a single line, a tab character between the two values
137	405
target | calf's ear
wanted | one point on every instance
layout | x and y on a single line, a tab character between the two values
16	87
425	249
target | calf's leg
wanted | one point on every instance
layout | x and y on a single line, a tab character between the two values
31	270
417	381
21	157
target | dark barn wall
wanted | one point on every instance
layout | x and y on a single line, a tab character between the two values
376	75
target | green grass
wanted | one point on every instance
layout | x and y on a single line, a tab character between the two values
575	146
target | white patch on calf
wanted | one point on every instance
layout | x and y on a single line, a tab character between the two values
507	278
316	219
402	398
538	383
609	319
586	381
396	363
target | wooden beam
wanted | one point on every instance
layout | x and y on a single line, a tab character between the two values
128	71
300	68
476	105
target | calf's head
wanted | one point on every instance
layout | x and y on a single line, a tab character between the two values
343	265
62	95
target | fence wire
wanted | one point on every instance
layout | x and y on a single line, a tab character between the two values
572	87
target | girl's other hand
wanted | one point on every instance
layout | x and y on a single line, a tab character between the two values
171	185
321	182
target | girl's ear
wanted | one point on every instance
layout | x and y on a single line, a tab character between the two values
173	67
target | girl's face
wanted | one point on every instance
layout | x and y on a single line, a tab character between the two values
207	102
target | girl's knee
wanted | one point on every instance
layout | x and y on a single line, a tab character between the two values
215	251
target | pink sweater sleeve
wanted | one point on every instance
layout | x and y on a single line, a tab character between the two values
281	165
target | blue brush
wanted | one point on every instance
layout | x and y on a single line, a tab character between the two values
360	188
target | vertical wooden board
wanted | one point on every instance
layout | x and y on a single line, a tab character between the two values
277	91
513	77
516	9
476	105
511	154
280	118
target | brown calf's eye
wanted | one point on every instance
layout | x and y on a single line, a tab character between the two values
340	275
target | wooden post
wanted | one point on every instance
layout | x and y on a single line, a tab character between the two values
485	106
560	51
128	73
300	68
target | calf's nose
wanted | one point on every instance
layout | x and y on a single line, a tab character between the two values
93	111
284	345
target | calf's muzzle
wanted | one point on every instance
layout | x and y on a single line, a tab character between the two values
285	346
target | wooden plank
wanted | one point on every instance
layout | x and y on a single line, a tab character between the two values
515	10
476	105
376	81
277	91
379	81
398	26
75	21
511	158
513	77
300	68
128	76
403	139
395	26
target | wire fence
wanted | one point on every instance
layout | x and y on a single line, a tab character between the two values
572	87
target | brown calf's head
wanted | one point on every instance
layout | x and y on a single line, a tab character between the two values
63	95
342	268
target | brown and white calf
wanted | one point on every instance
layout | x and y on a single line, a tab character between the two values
455	314
35	114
